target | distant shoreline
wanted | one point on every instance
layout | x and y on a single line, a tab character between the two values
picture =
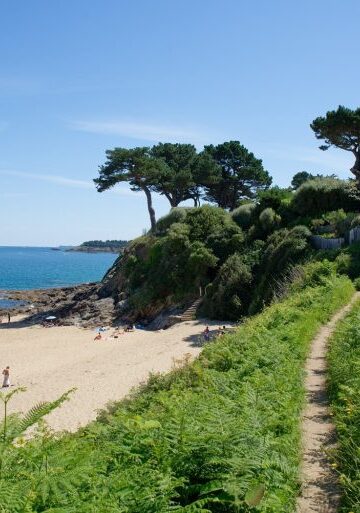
92	249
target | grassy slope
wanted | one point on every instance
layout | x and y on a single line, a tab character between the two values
344	385
212	436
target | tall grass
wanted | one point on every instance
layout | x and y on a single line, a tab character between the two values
219	435
344	387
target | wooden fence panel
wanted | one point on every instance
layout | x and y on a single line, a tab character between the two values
319	242
354	235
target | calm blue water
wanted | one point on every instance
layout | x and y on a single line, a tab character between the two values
37	268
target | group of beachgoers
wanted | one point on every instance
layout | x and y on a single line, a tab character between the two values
118	331
218	333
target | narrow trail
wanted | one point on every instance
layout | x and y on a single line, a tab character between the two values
320	492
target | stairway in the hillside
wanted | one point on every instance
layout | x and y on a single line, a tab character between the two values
190	313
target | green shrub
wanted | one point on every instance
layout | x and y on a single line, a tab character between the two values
274	198
355	221
283	249
176	215
343	263
357	283
269	220
229	295
244	215
323	195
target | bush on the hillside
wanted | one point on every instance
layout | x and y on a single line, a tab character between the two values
269	220
229	295
354	267
244	215
226	241
176	215
283	249
355	221
343	263
357	283
274	198
322	195
318	273
207	220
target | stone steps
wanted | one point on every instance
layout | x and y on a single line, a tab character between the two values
190	313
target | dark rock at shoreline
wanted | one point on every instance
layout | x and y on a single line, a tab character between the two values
79	305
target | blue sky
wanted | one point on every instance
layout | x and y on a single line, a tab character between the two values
78	77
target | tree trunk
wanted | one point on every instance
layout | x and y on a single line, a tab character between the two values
171	199
150	207
356	168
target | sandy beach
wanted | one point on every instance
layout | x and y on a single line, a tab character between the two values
50	361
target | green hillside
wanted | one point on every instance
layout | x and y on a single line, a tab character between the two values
217	435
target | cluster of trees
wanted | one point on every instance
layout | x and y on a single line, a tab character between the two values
224	174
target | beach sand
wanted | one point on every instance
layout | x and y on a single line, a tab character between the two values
50	361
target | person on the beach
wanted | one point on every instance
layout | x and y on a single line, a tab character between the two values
98	337
207	334
9	318
129	327
6	374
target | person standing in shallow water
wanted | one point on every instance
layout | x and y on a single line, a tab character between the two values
6	374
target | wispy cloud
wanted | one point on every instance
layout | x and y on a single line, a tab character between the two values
140	130
333	159
58	180
62	180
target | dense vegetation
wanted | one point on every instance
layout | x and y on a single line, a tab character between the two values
240	259
219	435
344	385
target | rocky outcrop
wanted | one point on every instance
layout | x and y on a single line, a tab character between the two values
79	305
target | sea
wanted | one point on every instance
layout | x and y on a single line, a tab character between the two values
26	268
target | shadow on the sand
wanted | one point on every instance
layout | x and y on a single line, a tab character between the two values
200	340
29	320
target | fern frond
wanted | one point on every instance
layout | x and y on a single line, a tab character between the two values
34	415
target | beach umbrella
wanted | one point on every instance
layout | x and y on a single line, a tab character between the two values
50	318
